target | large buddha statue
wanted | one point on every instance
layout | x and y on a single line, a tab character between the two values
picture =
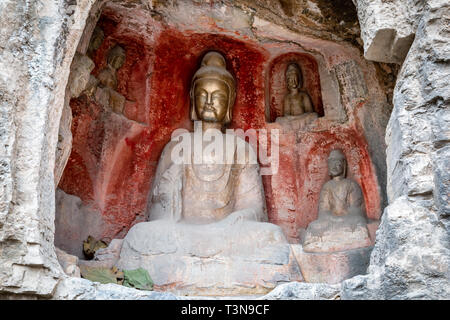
211	191
206	233
341	223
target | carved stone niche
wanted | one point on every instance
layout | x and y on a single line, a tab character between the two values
337	245
277	83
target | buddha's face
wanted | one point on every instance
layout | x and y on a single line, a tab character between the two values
292	78
116	57
97	39
336	167
79	75
211	100
117	61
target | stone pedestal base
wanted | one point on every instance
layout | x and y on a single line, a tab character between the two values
222	258
297	123
332	267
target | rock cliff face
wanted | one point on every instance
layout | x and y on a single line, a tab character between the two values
38	43
411	254
411	258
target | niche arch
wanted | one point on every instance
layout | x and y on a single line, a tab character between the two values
314	171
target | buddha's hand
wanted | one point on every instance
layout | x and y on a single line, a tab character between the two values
239	216
337	219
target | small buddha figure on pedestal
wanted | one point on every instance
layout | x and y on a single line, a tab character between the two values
298	110
342	223
296	100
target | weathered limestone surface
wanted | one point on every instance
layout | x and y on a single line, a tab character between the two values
82	289
411	257
38	43
68	262
304	291
70	211
64	145
388	27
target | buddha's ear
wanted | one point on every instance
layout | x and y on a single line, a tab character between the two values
300	78
229	115
345	168
193	113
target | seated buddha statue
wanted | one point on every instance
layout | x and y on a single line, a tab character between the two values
207	231
107	77
106	92
298	110
296	100
341	223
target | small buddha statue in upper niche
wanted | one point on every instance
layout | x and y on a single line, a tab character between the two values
298	110
341	223
296	101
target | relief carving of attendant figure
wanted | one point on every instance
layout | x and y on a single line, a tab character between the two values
116	58
341	223
107	81
95	42
78	81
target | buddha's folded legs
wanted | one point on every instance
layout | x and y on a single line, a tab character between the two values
245	257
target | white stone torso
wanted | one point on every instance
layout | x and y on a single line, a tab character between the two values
207	192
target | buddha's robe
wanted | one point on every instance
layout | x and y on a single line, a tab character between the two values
297	104
341	223
206	233
203	193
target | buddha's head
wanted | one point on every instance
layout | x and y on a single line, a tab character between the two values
337	164
213	90
96	40
116	57
80	71
293	76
